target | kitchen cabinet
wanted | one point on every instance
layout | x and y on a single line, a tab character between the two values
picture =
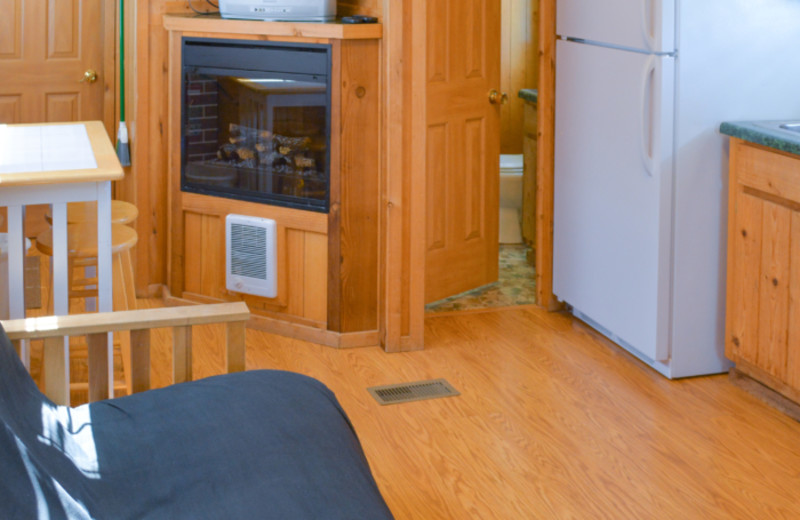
763	280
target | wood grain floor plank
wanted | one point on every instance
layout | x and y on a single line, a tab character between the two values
553	421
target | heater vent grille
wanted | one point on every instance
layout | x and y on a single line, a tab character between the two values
404	392
251	255
248	251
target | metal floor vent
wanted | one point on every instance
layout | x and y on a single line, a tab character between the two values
405	392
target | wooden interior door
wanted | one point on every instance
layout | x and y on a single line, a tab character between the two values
45	49
463	146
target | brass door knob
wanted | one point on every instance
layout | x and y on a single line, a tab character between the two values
90	76
496	98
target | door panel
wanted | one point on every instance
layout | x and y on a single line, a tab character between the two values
463	146
612	196
45	49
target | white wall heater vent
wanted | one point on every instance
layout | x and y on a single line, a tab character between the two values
251	256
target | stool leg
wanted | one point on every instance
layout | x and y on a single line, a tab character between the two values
121	304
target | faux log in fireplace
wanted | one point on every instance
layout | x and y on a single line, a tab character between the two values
294	139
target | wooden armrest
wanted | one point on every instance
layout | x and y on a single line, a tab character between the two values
92	323
96	327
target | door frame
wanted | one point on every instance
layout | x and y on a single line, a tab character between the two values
110	64
545	156
403	269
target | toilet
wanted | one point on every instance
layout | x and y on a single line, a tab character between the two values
510	198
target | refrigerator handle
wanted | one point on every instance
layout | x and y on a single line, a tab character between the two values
648	115
647	25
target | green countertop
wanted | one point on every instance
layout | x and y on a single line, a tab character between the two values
529	94
766	133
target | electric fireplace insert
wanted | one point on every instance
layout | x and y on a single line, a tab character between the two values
256	121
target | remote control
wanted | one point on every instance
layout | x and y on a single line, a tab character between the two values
359	18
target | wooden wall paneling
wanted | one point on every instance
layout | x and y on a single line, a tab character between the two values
289	217
212	231
148	263
774	289
292	277
158	143
354	221
175	223
315	284
147	111
529	150
109	16
545	160
192	266
334	308
365	7
518	61
302	257
532	44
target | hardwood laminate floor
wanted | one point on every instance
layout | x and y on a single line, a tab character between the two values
553	422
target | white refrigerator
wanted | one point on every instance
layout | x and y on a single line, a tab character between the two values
639	224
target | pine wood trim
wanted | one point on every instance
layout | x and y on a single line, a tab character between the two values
545	160
141	187
767	379
216	24
329	338
404	59
221	206
175	223
354	217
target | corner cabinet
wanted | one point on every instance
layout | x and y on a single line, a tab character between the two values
763	285
327	262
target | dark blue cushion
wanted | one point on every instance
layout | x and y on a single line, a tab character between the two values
257	444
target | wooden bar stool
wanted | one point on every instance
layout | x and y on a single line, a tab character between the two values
82	250
121	212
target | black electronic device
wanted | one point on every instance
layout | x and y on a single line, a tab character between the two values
359	18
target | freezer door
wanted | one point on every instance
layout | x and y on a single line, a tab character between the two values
646	25
612	213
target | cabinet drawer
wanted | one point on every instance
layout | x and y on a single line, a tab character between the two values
767	170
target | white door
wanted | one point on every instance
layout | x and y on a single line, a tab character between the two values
648	25
611	236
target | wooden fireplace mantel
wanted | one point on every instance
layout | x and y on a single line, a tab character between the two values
328	264
249	28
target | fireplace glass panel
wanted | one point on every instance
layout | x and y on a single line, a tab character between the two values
257	135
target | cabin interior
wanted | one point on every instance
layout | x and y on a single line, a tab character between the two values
553	419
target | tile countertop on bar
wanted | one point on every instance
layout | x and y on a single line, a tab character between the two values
57	163
765	133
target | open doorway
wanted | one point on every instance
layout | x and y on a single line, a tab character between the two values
519	53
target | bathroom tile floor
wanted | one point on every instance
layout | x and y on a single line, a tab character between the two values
515	286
